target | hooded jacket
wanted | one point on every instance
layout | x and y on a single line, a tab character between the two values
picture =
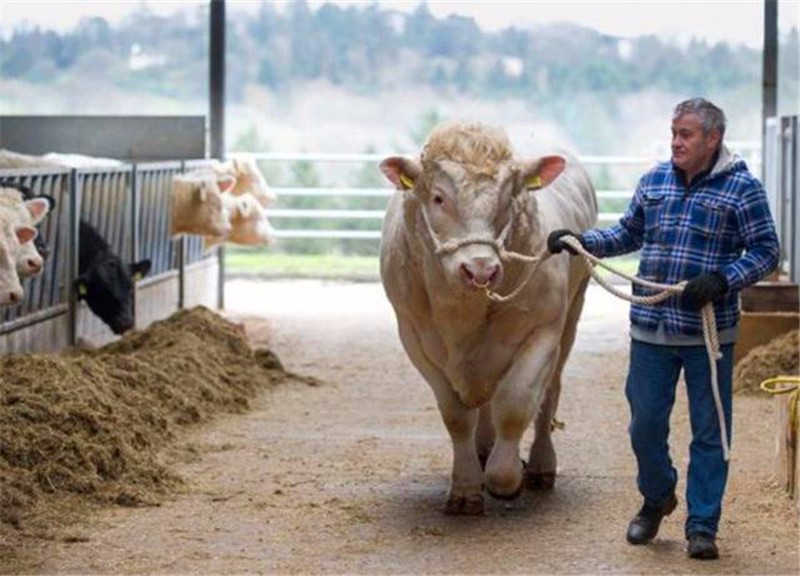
720	222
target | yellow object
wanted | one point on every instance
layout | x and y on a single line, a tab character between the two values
82	290
406	181
787	448
534	182
791	386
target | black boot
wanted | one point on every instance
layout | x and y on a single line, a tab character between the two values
701	546
644	526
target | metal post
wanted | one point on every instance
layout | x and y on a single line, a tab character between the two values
217	111
793	191
182	262
73	254
769	91
134	223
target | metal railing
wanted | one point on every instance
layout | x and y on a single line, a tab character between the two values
377	215
128	205
782	181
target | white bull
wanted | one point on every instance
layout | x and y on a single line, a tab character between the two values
493	366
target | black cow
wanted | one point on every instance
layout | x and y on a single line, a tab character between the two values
105	281
28	194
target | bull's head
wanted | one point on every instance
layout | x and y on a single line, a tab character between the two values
465	183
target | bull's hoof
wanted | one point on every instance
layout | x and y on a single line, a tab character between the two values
540	480
464	505
512	496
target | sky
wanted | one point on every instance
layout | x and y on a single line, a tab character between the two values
734	21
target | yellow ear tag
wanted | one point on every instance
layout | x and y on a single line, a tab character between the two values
407	182
138	276
533	182
82	290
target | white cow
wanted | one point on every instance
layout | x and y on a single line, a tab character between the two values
11	159
249	225
27	213
16	237
249	179
493	366
247	202
197	203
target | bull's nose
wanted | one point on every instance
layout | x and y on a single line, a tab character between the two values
33	265
14	296
481	273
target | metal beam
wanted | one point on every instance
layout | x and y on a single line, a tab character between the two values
217	111
769	92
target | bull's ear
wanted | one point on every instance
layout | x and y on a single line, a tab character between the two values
226	183
401	172
81	287
140	269
541	172
25	233
38	209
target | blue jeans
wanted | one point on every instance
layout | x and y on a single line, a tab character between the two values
650	389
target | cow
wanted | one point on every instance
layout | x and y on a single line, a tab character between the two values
197	205
247	201
105	281
249	179
16	239
489	333
12	159
249	223
13	191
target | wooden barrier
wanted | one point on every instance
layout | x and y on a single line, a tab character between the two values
787	461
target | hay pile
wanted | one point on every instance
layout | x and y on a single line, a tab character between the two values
91	422
779	357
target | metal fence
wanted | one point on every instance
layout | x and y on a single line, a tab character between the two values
128	205
635	164
782	181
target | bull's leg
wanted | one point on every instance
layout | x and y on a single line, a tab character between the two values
514	404
466	477
484	438
542	460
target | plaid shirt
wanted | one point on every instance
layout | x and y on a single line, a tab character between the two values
721	222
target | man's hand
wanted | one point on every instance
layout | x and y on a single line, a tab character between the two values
555	245
704	289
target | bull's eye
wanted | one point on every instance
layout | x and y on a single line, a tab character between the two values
438	199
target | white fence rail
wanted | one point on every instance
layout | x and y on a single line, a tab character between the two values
751	151
277	214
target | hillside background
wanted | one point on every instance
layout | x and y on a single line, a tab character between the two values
367	79
352	79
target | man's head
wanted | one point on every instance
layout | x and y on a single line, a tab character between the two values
697	130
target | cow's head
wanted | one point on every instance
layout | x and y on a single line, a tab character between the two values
466	181
12	237
31	255
107	287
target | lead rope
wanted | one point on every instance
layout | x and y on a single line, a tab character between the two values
499	245
710	333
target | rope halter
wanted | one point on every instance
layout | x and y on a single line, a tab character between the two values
454	244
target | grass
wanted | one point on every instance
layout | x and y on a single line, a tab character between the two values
268	264
260	263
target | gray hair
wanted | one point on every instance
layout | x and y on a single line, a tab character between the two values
711	117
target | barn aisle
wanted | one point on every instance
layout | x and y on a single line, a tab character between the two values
349	476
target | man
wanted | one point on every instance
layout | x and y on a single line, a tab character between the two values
703	218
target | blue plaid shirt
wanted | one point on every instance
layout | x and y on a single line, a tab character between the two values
721	222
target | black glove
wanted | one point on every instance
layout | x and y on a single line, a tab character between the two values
704	289
555	245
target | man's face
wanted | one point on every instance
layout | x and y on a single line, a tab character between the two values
692	150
